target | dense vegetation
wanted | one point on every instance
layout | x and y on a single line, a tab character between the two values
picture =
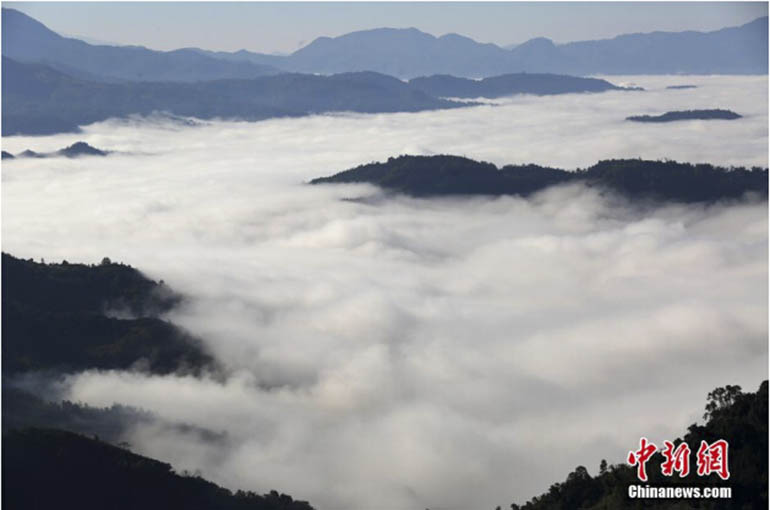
452	175
715	114
59	317
38	99
740	418
22	409
74	317
56	469
449	175
508	84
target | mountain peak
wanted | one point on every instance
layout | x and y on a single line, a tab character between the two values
457	38
382	35
411	33
18	28
27	40
81	149
537	42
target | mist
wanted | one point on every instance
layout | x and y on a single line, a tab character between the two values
396	353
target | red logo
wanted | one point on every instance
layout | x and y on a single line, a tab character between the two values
640	457
676	460
711	458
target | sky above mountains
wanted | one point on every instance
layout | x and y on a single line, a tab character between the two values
285	27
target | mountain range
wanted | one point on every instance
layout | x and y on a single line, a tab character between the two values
401	52
26	39
408	53
446	175
38	99
54	84
75	150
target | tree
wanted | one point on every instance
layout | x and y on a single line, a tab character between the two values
580	473
721	398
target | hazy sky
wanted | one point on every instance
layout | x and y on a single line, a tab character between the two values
284	27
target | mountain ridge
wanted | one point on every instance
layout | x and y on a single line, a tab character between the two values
540	54
40	100
406	53
447	175
78	317
80	472
26	39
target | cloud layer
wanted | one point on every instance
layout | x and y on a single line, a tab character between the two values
401	353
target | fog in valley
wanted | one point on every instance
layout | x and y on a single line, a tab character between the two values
386	352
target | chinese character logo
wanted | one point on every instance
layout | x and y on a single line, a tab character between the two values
640	457
712	458
676	459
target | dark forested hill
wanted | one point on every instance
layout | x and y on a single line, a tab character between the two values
715	114
74	317
61	317
453	175
75	150
739	418
46	468
505	85
80	149
22	409
448	175
40	100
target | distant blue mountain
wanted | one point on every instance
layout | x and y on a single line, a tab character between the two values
400	52
27	40
405	53
40	100
735	50
409	53
510	84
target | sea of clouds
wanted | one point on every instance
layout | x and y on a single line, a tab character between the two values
396	353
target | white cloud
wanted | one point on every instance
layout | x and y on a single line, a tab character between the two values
459	353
